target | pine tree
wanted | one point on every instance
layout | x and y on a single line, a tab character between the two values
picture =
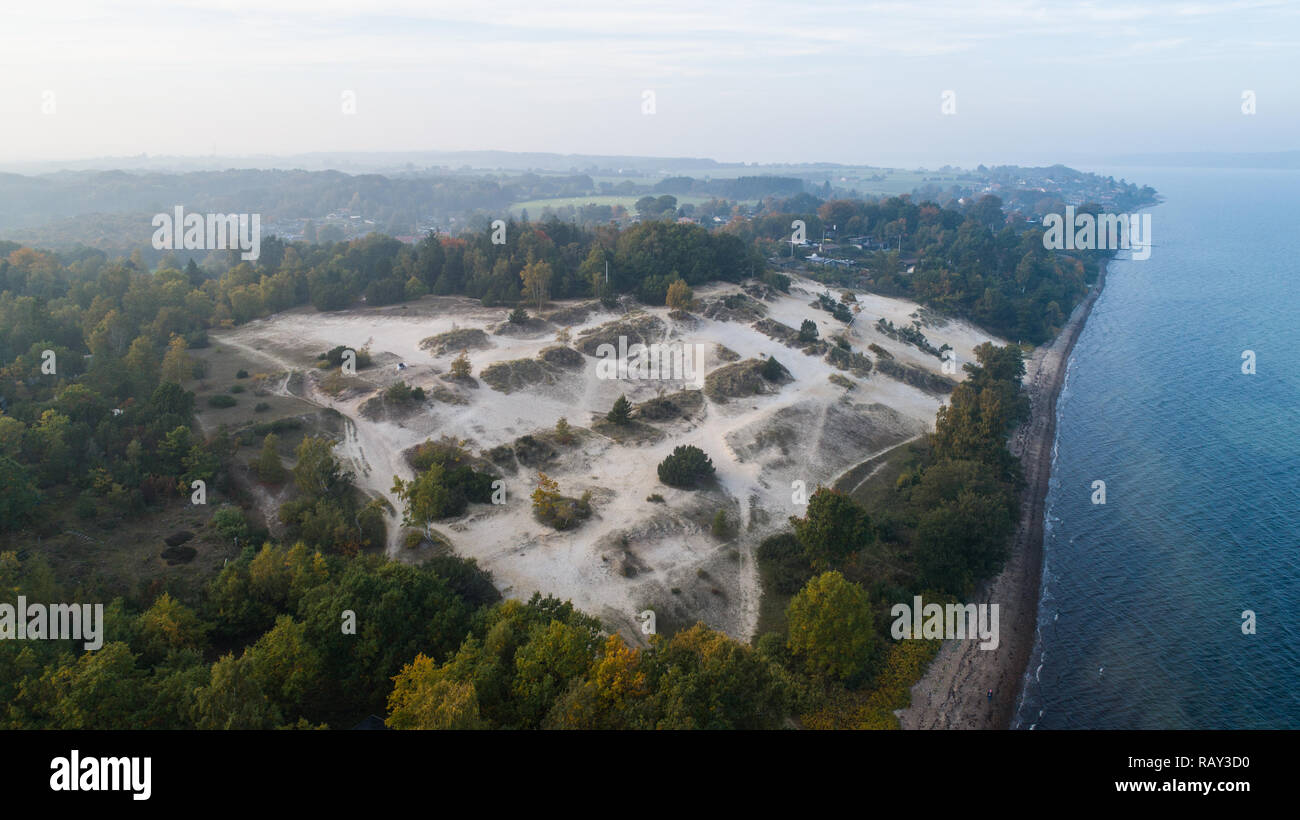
563	431
621	412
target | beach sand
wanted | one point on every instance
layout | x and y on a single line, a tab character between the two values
953	694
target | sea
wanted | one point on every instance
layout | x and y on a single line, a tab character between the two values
1176	603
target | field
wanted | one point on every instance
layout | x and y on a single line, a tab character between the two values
535	206
124	556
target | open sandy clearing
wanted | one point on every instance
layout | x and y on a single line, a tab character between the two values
632	554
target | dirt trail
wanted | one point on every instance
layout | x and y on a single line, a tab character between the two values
352	449
953	694
880	461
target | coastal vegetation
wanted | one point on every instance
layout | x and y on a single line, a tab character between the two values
940	529
100	385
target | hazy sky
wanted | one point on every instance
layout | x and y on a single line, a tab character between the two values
754	81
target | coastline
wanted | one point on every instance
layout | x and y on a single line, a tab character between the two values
953	693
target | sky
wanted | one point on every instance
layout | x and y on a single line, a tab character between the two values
1030	82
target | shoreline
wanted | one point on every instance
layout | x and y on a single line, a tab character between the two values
953	693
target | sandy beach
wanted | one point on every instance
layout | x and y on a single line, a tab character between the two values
953	694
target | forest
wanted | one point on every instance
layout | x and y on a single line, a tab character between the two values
94	419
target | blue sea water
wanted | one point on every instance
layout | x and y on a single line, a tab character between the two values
1140	619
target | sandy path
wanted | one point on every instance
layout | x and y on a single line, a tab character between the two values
953	694
352	450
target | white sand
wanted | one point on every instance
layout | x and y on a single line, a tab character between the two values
811	430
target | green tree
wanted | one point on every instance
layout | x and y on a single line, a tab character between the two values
621	412
833	528
536	278
427	498
962	540
270	469
772	369
702	679
231	523
808	331
831	627
685	467
19	497
424	697
545	496
177	366
100	690
233	699
563	432
613	694
167	626
318	473
554	655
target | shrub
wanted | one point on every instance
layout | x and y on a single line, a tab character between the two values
685	467
334	356
401	393
518	316
777	280
808	331
230	522
261	407
784	556
241	374
236	388
221	400
563	432
460	367
772	369
558	511
679	296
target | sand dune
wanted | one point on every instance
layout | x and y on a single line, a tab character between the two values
632	554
